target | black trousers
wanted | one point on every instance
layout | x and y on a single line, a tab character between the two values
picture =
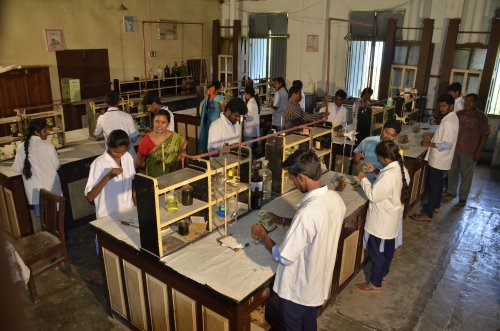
295	317
381	261
434	190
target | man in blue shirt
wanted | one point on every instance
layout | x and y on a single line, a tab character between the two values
365	152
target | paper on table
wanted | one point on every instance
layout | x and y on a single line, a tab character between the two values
233	243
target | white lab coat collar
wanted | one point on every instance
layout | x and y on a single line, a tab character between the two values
311	195
391	165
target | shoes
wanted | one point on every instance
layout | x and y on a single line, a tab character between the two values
447	194
368	287
462	203
422	217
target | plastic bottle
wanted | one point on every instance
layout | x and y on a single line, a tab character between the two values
267	181
150	73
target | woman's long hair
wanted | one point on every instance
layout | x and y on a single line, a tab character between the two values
34	128
212	91
389	150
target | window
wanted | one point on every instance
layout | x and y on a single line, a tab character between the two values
493	103
367	31
363	69
268	34
258	58
468	63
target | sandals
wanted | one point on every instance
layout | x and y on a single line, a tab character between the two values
368	287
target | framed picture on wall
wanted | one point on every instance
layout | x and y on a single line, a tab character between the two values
129	24
54	39
312	43
167	31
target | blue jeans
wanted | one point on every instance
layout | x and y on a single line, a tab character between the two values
295	317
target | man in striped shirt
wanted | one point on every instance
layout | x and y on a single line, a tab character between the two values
294	116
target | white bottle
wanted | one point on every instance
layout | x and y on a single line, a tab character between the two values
151	73
267	181
159	72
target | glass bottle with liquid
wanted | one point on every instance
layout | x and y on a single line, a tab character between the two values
256	186
172	204
187	195
267	181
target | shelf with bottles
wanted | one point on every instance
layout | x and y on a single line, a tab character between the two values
277	149
54	118
230	160
8	143
320	131
230	175
218	213
161	204
233	89
231	190
164	86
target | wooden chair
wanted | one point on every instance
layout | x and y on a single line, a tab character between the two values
46	249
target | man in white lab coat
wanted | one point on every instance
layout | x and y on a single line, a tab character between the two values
306	256
115	119
337	112
441	148
227	129
455	90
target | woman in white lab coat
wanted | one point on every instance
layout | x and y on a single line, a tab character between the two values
38	162
251	128
387	196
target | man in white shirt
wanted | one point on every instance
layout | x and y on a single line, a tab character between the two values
306	257
115	119
302	102
338	113
455	90
439	155
152	102
227	129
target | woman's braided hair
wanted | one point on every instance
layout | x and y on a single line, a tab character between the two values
389	150
34	128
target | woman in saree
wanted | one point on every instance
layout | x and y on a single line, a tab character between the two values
161	151
211	108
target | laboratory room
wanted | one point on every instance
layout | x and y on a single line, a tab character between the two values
250	165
